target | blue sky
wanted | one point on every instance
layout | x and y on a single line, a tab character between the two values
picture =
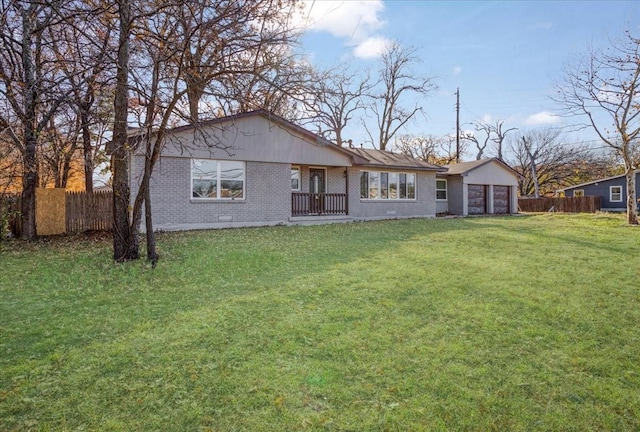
505	56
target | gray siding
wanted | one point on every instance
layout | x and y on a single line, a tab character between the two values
455	195
602	189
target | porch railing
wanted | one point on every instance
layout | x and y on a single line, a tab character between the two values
306	204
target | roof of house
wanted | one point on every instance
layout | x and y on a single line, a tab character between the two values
387	159
465	167
595	181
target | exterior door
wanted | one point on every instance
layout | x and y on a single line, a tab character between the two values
316	189
477	203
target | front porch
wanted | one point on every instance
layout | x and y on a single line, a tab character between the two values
319	204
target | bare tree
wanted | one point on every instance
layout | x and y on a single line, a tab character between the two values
544	163
604	87
83	48
24	83
480	143
499	137
397	82
487	133
166	75
125	242
338	95
436	150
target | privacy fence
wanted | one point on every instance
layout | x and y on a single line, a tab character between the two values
60	212
587	204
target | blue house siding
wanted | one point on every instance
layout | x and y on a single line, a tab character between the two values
602	188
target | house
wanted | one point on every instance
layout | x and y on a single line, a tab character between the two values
611	190
256	169
487	186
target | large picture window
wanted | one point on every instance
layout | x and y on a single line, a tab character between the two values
387	186
214	179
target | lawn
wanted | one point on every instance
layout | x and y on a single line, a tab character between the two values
511	323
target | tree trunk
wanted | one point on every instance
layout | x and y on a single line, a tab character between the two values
30	169
152	255
632	206
87	150
125	244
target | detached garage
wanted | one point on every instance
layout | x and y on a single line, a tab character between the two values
474	188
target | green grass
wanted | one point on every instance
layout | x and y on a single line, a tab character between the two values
514	323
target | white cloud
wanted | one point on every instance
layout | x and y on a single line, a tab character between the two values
457	70
541	118
356	21
350	19
372	47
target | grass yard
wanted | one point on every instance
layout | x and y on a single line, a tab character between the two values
513	323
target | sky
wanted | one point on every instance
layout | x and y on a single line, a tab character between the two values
506	57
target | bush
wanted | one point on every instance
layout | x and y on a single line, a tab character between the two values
9	215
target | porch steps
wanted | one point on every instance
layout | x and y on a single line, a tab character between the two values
320	219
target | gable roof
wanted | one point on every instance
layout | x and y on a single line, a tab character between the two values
465	167
387	159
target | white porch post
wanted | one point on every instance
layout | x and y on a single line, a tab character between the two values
490	209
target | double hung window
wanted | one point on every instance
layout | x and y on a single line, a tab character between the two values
441	190
615	193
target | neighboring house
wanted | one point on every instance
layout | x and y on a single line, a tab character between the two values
256	169
611	190
487	186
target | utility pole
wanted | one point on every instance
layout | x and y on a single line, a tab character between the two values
458	125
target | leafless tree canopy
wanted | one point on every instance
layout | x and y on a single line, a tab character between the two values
436	150
184	58
546	164
486	134
603	88
396	82
337	95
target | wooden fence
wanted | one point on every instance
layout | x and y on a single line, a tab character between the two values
84	211
89	211
587	204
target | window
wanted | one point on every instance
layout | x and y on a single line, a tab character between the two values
615	193
364	185
387	186
384	185
212	179
403	186
577	193
295	178
441	190
374	186
393	185
411	186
